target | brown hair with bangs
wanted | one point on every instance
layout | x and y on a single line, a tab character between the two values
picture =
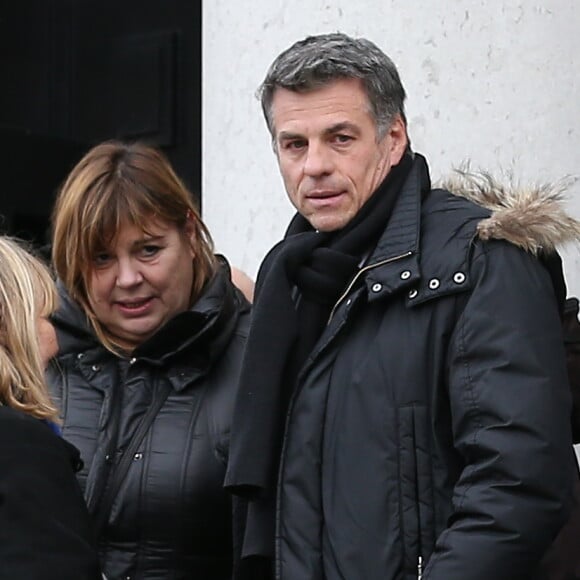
113	184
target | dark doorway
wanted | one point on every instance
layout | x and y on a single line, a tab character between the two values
76	72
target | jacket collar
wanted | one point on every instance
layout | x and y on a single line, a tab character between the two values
394	263
202	331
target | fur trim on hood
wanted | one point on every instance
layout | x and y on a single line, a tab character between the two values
531	217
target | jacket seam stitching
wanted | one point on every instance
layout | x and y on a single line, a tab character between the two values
473	404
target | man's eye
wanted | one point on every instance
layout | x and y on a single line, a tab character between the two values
340	138
294	145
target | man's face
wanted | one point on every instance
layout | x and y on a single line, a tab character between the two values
328	150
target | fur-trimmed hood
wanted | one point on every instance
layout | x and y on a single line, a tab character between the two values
532	217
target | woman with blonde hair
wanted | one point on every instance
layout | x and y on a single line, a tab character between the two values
151	333
44	525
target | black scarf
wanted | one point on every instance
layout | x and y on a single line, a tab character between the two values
284	330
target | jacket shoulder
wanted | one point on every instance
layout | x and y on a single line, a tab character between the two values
23	432
454	235
18	424
446	216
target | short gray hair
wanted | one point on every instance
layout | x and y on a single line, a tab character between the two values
316	61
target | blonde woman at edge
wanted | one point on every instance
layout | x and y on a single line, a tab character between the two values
44	525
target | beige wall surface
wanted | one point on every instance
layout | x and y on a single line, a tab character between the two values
494	82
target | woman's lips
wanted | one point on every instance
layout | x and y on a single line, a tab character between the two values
134	307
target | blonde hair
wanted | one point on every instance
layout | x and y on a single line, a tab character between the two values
113	184
27	292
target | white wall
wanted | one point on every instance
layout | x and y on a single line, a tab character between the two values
495	81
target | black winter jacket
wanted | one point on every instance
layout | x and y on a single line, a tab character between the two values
429	435
45	531
171	518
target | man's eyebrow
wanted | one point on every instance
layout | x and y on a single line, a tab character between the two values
342	126
333	129
285	135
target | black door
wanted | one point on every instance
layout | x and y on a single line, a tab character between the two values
76	72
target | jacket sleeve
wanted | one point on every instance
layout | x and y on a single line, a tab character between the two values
510	406
44	527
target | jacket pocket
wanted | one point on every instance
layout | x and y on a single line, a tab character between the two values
416	491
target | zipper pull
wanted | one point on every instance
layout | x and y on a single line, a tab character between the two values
419	568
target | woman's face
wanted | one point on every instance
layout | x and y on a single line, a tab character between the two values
141	281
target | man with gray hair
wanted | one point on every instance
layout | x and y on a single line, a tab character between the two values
404	410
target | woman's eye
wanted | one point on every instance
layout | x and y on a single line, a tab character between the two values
150	250
102	259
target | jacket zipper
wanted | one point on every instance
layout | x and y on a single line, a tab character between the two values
293	396
359	274
417	503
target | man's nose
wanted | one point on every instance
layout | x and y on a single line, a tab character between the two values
318	160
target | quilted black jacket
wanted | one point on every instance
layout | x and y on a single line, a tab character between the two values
171	519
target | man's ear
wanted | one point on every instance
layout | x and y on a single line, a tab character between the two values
397	139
